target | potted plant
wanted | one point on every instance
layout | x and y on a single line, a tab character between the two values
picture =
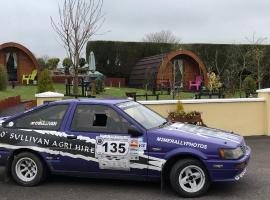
193	117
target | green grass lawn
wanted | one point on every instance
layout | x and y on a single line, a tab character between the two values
28	92
121	92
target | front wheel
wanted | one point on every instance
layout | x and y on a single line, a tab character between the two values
189	178
27	169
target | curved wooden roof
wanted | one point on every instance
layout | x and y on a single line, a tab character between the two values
22	48
157	64
173	54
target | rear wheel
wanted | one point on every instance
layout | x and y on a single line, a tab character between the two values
189	178
27	169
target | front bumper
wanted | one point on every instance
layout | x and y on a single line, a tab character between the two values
228	170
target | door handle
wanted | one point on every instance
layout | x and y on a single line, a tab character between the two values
71	137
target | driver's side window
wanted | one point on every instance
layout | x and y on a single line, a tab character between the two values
98	118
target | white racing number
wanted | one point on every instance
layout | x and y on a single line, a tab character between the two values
112	146
112	152
115	148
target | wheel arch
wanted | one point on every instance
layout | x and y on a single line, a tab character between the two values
18	151
176	157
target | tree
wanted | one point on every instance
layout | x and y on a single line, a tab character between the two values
164	36
237	66
3	78
257	53
82	62
52	63
249	85
45	82
78	21
41	62
67	63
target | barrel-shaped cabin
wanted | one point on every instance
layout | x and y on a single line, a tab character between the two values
18	60
180	69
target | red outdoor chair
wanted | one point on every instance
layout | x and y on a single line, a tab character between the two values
197	83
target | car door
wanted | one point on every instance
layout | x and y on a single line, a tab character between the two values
103	144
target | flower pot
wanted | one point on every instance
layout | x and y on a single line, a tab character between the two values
194	119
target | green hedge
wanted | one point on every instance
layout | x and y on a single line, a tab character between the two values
226	56
116	59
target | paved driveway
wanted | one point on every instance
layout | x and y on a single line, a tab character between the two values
255	185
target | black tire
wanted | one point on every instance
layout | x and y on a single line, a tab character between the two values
178	168
39	168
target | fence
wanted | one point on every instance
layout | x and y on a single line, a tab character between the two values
9	102
115	82
109	81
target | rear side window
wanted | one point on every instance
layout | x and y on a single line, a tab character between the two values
98	118
49	118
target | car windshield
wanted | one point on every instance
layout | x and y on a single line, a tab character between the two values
146	117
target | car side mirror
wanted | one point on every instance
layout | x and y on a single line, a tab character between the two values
132	130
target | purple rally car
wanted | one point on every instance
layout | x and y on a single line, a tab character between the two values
118	139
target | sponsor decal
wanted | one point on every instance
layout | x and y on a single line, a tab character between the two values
43	123
127	105
117	152
111	152
134	143
48	139
182	143
205	132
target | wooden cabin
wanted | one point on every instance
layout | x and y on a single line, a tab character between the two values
176	68
19	61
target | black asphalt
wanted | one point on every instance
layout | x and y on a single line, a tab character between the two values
254	186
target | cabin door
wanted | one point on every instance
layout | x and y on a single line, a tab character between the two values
178	73
11	63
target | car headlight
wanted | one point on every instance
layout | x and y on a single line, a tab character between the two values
232	154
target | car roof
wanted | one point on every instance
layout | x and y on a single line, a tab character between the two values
93	100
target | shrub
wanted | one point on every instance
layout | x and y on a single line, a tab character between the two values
45	82
82	62
67	63
3	78
214	84
99	86
180	112
249	85
179	107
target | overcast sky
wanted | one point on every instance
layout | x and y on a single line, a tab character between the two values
193	21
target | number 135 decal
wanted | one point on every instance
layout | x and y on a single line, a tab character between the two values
115	147
112	147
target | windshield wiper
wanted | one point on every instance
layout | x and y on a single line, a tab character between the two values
167	123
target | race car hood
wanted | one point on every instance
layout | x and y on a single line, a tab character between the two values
201	133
